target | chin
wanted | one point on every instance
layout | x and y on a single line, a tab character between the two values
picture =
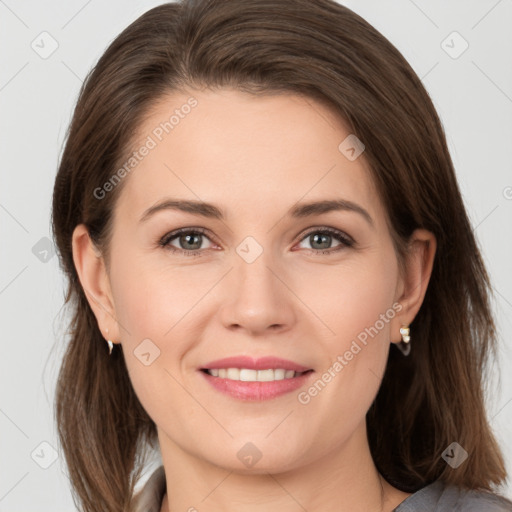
256	456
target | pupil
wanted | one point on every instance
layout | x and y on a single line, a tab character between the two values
186	239
321	238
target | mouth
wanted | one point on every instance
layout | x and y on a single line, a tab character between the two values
255	390
248	379
250	375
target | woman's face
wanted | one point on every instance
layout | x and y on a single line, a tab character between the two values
263	279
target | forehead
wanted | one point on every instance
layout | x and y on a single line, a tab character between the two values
248	153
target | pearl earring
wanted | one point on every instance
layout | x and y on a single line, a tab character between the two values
405	345
110	343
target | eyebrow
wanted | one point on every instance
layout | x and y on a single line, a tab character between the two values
211	211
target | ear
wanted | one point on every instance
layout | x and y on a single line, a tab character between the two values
90	266
413	284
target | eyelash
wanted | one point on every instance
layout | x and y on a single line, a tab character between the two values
345	240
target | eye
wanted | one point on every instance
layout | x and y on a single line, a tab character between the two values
320	240
187	241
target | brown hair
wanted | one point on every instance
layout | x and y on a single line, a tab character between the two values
324	51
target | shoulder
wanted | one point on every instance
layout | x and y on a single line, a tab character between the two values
441	497
475	501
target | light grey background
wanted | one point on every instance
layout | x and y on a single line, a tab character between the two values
473	95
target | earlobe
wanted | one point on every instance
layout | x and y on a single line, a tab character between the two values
93	276
418	269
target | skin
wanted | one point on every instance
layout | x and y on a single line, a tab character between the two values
255	157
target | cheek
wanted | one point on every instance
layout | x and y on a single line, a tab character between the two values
151	298
150	306
356	302
351	296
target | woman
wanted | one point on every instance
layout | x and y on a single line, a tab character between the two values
257	210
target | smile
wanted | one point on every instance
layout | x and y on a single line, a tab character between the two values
249	375
274	382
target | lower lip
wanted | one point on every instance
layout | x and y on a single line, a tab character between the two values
256	390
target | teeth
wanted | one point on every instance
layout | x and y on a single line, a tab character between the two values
233	374
247	375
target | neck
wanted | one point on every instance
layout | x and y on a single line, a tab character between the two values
345	479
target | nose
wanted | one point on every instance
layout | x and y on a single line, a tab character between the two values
257	297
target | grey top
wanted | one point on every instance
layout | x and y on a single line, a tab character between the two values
435	497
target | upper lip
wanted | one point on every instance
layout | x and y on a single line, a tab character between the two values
263	363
